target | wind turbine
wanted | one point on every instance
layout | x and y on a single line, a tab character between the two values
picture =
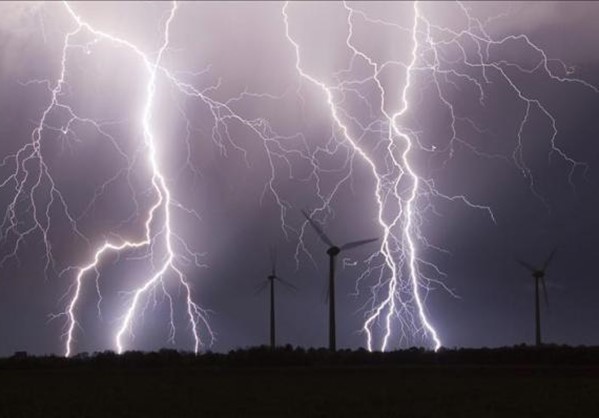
333	251
270	281
539	275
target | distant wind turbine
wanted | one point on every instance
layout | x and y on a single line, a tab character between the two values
333	251
539	276
270	280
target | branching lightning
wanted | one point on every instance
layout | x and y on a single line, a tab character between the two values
397	299
155	229
385	139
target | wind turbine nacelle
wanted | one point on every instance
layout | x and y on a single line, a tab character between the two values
333	251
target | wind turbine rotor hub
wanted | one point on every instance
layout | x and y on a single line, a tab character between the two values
333	251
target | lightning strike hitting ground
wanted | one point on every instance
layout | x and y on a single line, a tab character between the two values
164	202
166	265
386	193
385	139
397	301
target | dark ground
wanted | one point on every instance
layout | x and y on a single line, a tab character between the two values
519	382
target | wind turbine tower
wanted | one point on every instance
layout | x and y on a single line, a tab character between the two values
270	281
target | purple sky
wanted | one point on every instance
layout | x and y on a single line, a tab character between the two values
261	144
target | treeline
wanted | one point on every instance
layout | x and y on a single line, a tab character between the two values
289	356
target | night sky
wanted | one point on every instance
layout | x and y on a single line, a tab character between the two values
501	115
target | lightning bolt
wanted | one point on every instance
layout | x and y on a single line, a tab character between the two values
397	298
386	191
158	227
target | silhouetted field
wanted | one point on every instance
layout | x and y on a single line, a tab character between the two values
516	382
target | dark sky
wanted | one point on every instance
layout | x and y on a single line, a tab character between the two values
261	144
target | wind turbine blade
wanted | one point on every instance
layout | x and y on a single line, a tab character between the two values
549	259
545	292
273	260
261	287
355	244
318	230
327	292
286	283
526	265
